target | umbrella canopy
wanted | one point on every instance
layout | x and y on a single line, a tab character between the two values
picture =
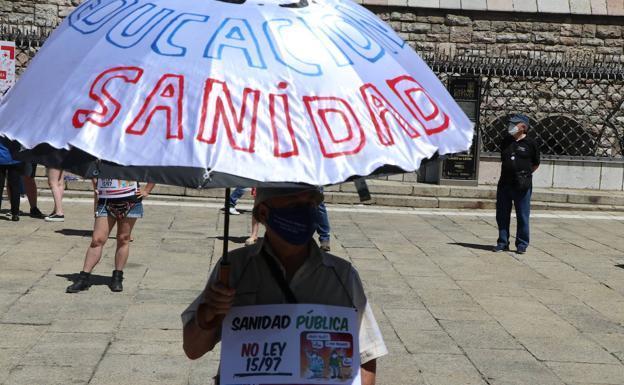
211	93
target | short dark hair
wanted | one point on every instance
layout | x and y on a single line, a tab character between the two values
519	118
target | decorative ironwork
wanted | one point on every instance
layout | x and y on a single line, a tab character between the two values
575	103
526	63
25	36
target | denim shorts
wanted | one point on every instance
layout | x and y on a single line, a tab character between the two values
135	212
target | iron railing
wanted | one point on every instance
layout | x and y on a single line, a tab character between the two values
575	101
25	36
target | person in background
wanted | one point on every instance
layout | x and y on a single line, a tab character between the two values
323	228
287	266
520	157
10	170
31	190
119	202
56	182
234	197
255	226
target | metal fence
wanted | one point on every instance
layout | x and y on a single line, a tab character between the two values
25	36
575	103
28	39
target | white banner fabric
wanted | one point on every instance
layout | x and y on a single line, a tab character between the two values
259	90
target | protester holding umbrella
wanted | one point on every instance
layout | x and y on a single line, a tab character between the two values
286	267
222	94
119	202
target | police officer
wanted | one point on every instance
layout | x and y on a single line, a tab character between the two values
520	157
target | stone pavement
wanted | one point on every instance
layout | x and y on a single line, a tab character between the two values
451	311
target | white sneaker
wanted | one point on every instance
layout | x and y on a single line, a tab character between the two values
233	211
55	218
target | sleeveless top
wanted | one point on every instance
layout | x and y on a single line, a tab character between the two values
116	188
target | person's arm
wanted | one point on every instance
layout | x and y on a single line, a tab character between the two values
197	339
145	191
95	194
369	372
536	157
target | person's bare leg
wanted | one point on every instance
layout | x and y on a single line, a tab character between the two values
101	230
56	183
124	235
255	228
31	190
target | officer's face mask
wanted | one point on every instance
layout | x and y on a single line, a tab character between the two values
296	225
513	129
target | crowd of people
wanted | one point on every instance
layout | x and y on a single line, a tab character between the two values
286	265
116	203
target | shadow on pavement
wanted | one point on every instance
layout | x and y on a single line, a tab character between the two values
75	232
83	233
473	246
240	240
94	280
242	211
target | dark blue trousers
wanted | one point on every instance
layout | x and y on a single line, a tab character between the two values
506	195
236	195
323	228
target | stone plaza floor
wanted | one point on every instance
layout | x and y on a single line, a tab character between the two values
451	311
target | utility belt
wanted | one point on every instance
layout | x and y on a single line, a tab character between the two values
120	207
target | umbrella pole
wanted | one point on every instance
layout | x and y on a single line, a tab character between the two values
224	268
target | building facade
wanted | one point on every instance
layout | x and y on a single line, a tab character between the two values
561	62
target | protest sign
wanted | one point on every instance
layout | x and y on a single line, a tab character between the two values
7	66
290	344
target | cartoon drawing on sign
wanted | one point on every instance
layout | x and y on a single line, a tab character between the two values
326	355
315	365
334	364
345	370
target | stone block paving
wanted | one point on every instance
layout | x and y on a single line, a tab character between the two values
451	311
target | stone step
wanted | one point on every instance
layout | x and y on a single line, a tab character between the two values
395	194
391	193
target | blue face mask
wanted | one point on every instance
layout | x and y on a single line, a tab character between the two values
295	225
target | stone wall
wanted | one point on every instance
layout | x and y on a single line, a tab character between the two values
433	29
476	33
588	103
427	28
35	12
570	114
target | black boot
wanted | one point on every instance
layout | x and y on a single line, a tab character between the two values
116	280
82	283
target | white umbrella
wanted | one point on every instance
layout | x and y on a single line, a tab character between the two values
203	92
